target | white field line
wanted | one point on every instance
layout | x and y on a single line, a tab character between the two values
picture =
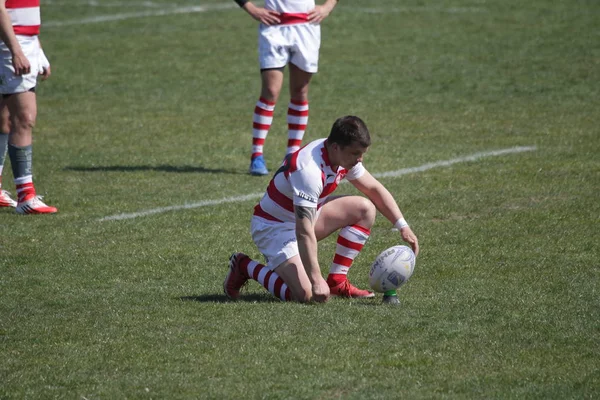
96	3
229	5
140	14
445	10
447	163
389	174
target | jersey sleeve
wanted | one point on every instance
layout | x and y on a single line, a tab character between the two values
356	172
307	186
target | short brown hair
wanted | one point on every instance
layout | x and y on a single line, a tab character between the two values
349	129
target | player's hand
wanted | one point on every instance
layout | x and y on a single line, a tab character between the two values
318	14
262	15
409	237
320	291
21	64
45	73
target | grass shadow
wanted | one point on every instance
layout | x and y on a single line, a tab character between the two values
161	168
267	298
221	298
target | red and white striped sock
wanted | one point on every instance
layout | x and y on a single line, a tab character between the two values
261	123
269	279
350	242
297	119
25	189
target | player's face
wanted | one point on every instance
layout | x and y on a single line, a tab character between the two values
347	157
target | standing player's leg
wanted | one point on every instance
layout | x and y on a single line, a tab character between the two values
297	114
23	112
353	216
272	80
5	199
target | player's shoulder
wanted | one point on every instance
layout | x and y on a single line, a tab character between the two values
309	161
308	166
309	155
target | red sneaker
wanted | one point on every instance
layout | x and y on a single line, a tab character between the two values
235	278
6	200
346	289
34	205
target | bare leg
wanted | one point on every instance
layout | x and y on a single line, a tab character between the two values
293	274
353	216
299	82
272	81
23	113
343	211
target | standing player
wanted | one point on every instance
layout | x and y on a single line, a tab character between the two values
22	60
289	34
297	211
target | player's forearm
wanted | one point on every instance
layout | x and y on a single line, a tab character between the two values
307	240
247	6
330	4
380	196
385	203
307	247
7	35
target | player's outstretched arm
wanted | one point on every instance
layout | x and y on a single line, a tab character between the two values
319	13
386	204
261	14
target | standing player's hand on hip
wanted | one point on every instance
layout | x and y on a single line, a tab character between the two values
409	237
262	15
318	14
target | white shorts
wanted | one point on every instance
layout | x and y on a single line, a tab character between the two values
11	83
299	44
275	240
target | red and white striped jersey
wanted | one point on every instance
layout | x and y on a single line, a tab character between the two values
25	16
305	179
290	6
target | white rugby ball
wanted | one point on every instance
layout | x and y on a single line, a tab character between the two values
392	268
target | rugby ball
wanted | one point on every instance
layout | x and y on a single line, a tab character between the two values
392	268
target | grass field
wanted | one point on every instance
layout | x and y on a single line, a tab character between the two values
149	108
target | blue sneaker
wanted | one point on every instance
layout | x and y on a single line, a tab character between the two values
258	166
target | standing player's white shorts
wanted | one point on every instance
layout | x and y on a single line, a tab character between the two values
11	83
299	44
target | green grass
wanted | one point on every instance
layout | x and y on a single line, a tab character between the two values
154	112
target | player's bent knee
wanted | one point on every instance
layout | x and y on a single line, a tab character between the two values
367	210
